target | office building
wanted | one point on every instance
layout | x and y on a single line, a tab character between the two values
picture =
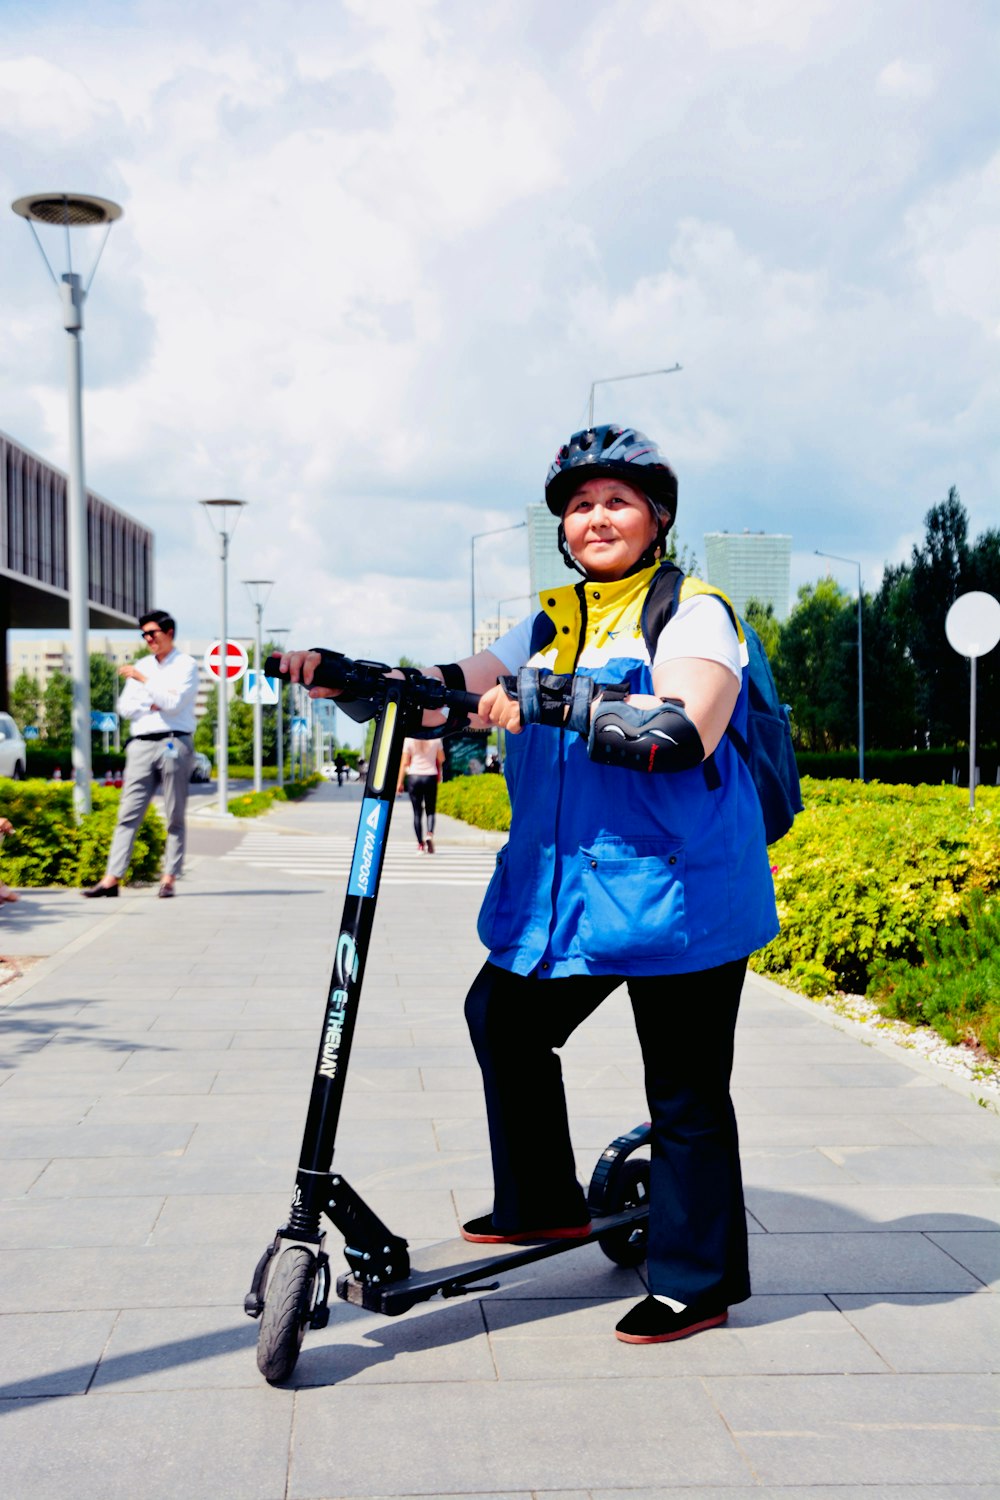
750	565
546	569
41	657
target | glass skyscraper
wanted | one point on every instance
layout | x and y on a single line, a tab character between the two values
750	565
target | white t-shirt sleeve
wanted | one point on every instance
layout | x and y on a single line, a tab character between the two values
702	627
514	648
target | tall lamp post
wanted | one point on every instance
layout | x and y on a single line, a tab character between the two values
861	682
518	526
259	590
223	517
274	635
69	211
610	380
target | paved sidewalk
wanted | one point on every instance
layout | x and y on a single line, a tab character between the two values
154	1069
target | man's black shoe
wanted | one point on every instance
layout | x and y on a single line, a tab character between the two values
652	1322
99	890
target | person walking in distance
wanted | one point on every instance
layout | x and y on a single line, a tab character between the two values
419	773
158	698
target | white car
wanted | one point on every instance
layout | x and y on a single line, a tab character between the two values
13	755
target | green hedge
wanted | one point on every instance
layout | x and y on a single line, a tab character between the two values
48	848
902	767
866	870
480	800
252	804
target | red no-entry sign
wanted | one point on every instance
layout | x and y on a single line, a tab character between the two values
232	666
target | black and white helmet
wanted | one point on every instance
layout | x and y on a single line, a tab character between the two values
615	453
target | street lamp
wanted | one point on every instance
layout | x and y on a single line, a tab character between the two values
74	210
223	517
518	526
610	379
259	590
509	600
273	635
861	687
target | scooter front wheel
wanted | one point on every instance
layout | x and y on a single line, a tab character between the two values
286	1312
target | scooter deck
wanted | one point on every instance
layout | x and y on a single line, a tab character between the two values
450	1266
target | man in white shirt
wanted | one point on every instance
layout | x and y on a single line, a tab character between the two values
158	698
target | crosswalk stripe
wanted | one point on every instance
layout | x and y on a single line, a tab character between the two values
331	856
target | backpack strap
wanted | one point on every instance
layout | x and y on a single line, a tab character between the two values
669	588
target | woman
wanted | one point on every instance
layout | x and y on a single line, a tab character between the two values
419	773
636	855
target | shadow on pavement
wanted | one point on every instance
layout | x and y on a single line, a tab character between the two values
325	1361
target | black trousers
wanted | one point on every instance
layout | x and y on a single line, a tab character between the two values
423	791
686	1025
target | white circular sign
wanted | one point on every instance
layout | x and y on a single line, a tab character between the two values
972	625
236	660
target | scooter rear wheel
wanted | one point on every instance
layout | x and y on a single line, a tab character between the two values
286	1312
627	1247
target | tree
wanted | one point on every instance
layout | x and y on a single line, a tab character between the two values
816	668
58	701
939	571
890	675
763	619
103	683
26	700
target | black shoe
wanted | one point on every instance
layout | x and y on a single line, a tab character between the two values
481	1231
652	1322
99	890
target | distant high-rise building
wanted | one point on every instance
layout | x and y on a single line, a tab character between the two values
546	568
750	565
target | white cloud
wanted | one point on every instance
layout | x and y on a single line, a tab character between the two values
372	260
906	80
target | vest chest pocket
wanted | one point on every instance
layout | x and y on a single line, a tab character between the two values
633	903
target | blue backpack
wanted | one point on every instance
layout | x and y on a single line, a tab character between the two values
767	749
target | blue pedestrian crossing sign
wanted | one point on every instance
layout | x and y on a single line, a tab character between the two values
256	685
103	723
29	732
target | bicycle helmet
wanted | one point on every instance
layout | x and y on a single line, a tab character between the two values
617	453
614	453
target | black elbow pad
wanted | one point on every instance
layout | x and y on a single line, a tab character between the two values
645	739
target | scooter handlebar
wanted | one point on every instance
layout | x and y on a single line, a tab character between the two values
367	679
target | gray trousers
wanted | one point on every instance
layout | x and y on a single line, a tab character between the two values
147	767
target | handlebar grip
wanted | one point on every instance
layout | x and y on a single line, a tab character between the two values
328	673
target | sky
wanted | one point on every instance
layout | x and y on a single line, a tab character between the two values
374	252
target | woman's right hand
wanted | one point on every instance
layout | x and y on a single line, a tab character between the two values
300	666
495	707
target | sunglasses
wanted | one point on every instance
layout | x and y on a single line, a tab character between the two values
150	635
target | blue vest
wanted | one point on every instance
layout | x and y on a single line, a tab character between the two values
609	871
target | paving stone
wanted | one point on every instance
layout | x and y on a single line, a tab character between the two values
510	1439
767	1335
930	1334
977	1252
68	1223
916	1429
127	1276
159	1445
831	1263
870	1209
87	1139
50	1354
19	1176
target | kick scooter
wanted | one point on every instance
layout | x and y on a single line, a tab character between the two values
291	1283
